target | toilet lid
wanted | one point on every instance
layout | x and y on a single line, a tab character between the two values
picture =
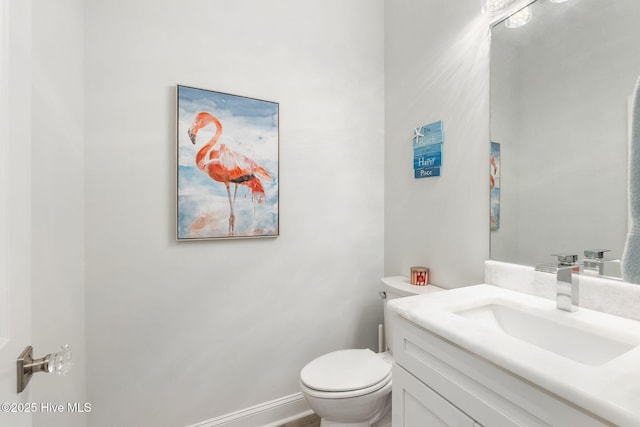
345	370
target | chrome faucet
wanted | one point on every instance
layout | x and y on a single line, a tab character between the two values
567	290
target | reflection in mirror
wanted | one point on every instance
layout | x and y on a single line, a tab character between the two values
560	93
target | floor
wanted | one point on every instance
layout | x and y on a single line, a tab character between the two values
311	421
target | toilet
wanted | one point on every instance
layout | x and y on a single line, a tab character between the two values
352	387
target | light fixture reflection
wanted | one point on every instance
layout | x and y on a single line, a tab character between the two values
519	18
493	6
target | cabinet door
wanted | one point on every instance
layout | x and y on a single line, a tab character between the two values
416	405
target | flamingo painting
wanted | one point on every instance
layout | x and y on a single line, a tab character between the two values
227	166
237	164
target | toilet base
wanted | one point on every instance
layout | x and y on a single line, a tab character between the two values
384	422
382	418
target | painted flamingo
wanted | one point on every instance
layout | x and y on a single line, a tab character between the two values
226	166
494	170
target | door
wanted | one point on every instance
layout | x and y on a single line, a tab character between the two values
416	405
15	202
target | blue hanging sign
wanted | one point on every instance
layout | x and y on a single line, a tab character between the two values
427	150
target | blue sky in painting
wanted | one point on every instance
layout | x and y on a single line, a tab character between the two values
250	127
261	112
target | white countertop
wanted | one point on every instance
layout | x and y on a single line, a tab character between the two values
610	390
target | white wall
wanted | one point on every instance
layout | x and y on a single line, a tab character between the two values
182	332
437	68
57	200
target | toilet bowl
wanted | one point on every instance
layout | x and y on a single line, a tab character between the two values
352	388
348	387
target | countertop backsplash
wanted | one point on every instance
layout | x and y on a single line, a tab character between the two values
596	293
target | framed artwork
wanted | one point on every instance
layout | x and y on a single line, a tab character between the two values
227	166
494	181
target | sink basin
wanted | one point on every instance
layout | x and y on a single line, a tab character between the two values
575	342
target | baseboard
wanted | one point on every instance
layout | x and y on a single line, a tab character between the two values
268	414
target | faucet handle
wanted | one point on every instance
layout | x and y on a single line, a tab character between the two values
566	259
595	253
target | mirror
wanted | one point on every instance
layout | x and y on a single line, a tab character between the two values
560	103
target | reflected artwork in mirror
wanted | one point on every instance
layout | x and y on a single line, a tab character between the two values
560	105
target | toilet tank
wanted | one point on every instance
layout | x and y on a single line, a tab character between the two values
398	287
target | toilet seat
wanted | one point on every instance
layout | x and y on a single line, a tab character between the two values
346	394
345	373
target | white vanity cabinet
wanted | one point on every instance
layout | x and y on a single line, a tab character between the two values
438	383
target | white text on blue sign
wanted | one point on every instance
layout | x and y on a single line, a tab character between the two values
427	172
